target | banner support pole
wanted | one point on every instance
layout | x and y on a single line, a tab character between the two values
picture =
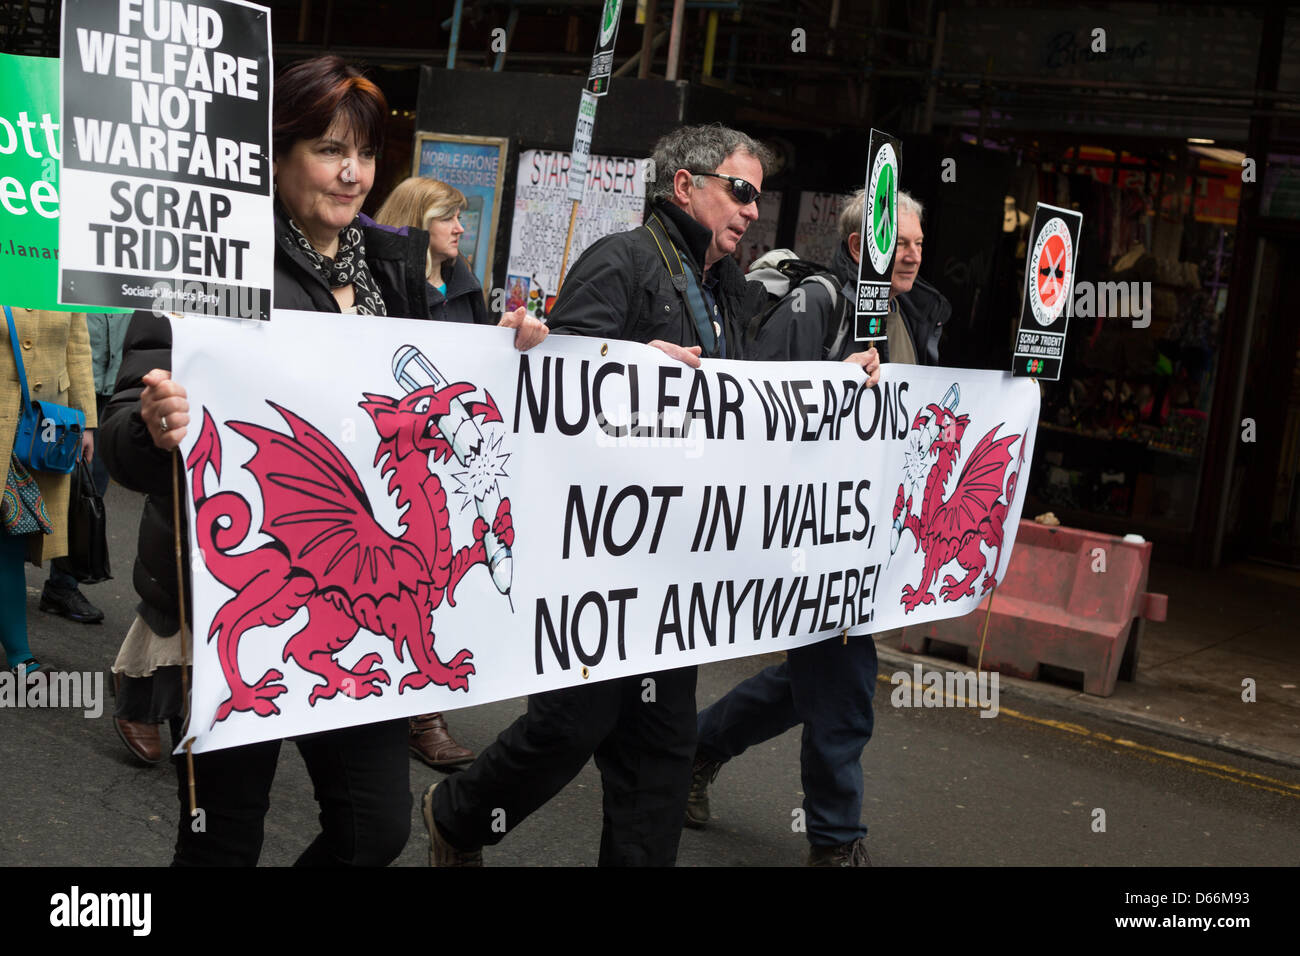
568	241
185	629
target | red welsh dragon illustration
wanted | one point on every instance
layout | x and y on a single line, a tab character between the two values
953	528
330	555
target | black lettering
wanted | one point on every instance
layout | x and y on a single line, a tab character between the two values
635	491
869	432
587	530
580	423
722	507
904	417
733	605
665	494
699	404
669	620
560	643
621	597
786	514
863	487
727	406
832	599
805	409
538	406
770	409
591	597
609	368
667	401
804	603
708	624
850	594
842	509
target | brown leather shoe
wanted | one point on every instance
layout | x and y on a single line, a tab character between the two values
432	743
143	740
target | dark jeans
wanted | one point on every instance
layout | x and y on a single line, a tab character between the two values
643	749
827	687
362	781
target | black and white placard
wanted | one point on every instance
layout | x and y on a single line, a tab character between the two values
167	156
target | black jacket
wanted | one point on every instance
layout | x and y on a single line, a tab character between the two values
620	288
136	463
463	300
397	262
924	311
396	259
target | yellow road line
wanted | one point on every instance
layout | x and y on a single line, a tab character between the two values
1207	767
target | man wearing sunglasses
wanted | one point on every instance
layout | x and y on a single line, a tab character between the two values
701	199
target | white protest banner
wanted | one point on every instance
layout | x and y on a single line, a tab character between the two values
166	178
437	520
613	201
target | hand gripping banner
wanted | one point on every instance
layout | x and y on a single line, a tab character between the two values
393	517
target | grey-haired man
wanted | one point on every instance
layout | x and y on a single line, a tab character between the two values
702	199
828	686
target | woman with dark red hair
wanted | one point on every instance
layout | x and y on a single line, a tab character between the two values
327	128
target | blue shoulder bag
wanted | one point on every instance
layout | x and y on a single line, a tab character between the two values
49	435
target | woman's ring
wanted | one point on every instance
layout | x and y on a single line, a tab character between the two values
162	423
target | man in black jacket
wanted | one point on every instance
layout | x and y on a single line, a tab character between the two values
640	729
827	686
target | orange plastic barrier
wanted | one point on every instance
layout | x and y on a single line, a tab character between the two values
1071	599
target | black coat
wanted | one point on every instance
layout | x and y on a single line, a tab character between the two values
925	310
396	260
620	288
463	300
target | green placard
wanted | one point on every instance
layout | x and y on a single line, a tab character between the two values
29	183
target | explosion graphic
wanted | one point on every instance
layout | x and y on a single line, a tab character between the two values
483	466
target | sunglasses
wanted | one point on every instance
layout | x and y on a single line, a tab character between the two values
742	189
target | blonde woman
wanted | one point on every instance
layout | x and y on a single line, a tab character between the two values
455	294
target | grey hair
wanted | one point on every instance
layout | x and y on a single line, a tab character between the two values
699	149
851	215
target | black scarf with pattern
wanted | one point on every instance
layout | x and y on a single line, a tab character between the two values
348	267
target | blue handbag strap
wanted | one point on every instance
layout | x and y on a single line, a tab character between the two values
18	359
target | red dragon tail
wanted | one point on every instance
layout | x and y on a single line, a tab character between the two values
221	520
206	451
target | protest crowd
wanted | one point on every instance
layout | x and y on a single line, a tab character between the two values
673	284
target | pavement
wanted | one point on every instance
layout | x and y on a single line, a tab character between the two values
947	788
1223	626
